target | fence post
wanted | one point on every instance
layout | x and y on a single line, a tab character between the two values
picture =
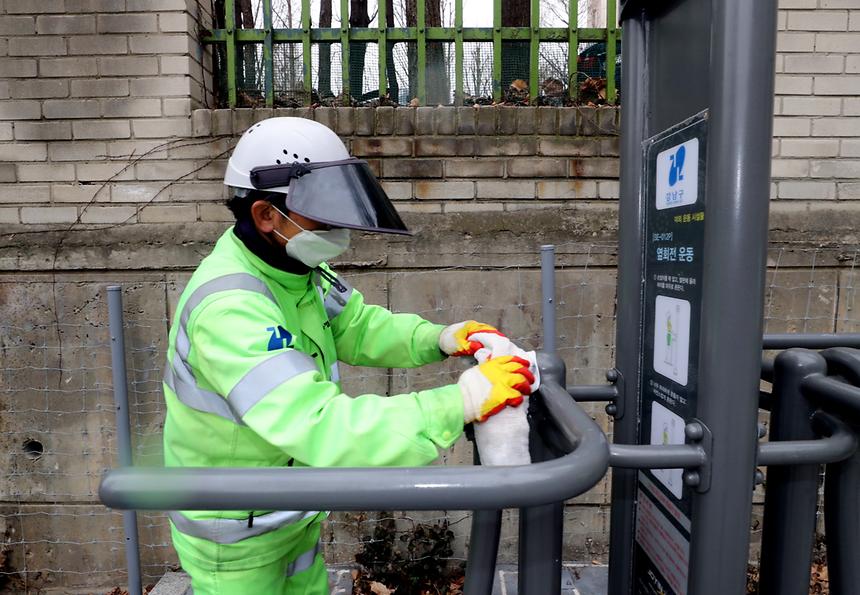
541	526
547	278
123	431
842	524
483	549
792	491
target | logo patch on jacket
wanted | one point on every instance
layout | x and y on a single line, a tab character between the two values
280	339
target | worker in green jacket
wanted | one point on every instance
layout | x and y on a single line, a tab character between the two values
252	373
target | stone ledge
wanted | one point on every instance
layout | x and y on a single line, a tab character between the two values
422	121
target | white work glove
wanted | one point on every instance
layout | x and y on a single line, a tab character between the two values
504	438
490	387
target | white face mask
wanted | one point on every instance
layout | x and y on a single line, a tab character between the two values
315	247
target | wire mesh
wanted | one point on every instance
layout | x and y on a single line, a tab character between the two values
58	416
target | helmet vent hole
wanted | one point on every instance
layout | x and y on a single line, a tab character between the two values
285	152
307	160
295	156
278	161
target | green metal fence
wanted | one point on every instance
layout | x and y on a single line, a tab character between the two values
528	65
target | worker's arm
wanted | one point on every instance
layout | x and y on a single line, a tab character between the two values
283	397
368	335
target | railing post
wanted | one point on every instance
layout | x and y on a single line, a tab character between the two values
842	523
497	50
458	52
534	51
230	24
307	83
547	276
344	50
422	53
483	549
792	491
268	58
541	527
572	48
123	431
611	37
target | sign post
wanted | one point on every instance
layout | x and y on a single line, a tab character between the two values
698	97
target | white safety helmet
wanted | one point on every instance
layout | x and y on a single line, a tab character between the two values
306	161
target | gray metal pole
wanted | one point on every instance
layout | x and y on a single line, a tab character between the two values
541	527
628	334
123	431
743	50
842	524
547	279
483	548
792	491
810	340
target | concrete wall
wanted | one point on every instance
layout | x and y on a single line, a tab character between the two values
111	158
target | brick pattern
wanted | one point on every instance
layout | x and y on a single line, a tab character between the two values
816	131
89	89
141	159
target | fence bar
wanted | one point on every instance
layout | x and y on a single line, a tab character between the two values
230	24
842	524
628	334
268	60
656	456
767	368
123	430
344	49
593	392
541	527
832	393
483	549
547	278
611	37
810	340
307	77
572	47
497	50
839	445
458	52
420	488
792	491
382	49
422	53
534	51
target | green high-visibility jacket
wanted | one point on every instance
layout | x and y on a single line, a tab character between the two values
252	381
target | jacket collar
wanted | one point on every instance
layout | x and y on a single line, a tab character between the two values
260	255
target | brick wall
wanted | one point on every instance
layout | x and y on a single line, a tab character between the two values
816	123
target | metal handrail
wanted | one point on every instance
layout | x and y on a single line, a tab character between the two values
810	340
412	488
840	444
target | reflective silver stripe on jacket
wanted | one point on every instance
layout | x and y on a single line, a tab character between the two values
235	530
304	561
252	387
335	301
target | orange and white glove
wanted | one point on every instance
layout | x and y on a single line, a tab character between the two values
490	387
460	338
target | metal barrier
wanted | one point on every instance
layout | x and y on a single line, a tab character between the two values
534	488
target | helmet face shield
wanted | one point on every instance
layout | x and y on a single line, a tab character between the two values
339	193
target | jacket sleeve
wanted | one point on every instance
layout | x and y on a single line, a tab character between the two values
368	335
283	397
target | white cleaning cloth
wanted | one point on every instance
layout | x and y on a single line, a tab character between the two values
504	438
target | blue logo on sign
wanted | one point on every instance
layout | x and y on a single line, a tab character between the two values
280	338
676	169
